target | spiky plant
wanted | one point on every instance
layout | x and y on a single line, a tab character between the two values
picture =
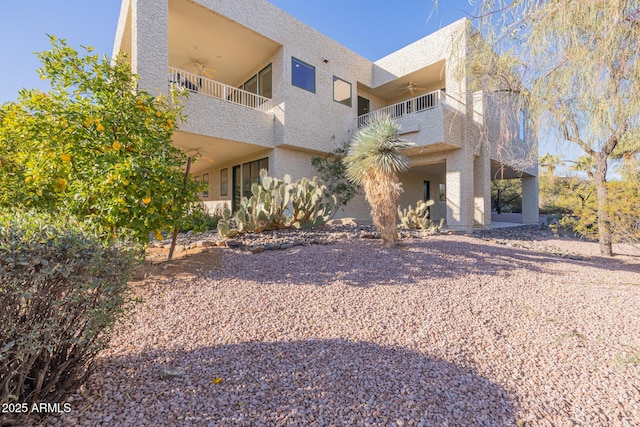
373	162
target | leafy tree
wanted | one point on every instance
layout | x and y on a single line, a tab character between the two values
506	194
585	164
624	209
573	65
374	161
94	146
333	172
550	162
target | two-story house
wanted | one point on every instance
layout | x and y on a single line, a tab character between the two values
267	91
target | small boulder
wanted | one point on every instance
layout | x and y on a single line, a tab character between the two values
172	373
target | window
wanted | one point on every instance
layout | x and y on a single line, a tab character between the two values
443	192
197	180
426	191
260	83
251	85
363	106
341	91
265	84
303	75
205	179
521	133
224	182
244	176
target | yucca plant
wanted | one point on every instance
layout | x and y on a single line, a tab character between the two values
373	162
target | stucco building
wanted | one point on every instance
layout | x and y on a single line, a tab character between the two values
268	91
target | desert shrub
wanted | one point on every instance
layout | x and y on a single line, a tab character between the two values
62	290
623	209
200	219
333	172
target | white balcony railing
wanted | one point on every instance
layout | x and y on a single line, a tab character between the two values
202	85
414	105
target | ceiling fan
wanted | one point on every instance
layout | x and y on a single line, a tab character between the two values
412	88
199	68
196	154
203	70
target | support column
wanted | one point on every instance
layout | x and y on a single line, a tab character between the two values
530	209
482	190
460	189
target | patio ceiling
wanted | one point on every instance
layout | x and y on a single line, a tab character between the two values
213	152
228	51
426	80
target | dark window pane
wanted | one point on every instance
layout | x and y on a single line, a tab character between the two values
246	180
265	82
224	182
363	106
264	164
255	172
251	85
237	193
303	75
205	179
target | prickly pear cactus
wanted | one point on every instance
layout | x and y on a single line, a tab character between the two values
417	218
276	204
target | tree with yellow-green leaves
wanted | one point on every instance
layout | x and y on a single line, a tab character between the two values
94	146
573	198
574	66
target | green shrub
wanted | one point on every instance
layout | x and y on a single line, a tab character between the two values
62	291
332	170
200	219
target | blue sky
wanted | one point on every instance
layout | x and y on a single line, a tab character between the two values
372	28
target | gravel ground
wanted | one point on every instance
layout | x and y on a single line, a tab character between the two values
446	330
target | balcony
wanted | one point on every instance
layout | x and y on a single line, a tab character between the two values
198	84
433	119
414	105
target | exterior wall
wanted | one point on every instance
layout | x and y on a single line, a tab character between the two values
423	128
149	48
375	102
482	190
220	119
300	109
295	163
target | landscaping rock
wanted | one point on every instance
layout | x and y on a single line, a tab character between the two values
172	373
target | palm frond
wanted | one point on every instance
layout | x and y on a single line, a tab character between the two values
377	147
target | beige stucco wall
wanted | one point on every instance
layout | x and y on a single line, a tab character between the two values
217	118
